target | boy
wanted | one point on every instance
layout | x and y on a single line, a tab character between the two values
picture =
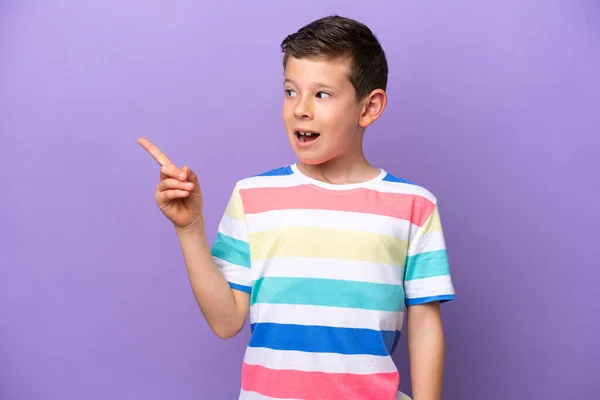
325	254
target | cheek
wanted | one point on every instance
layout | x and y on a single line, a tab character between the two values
343	123
288	110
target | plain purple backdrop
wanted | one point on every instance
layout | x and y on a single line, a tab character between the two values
494	106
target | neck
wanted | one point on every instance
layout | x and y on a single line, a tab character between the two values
342	170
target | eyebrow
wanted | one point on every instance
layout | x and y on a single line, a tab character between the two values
287	80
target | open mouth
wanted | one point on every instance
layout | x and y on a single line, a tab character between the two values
307	136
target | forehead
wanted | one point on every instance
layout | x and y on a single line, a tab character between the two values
307	71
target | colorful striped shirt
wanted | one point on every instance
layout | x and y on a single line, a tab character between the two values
330	270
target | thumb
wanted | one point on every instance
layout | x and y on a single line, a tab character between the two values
191	176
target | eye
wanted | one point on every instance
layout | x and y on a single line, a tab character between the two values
323	95
290	92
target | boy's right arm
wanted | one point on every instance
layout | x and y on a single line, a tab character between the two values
179	198
225	309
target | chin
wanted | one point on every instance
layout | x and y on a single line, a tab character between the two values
307	158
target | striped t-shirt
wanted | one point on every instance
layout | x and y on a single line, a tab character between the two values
330	269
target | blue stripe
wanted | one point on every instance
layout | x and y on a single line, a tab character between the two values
323	339
243	288
391	178
423	300
427	265
232	250
281	171
396	340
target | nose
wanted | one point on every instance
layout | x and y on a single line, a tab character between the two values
303	109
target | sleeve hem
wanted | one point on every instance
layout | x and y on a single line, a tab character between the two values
430	299
241	288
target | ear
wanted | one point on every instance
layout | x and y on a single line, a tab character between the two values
372	107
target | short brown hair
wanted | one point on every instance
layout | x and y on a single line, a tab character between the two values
333	37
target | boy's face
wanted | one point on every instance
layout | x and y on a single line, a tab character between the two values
320	110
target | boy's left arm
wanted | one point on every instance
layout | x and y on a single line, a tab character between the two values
425	337
427	283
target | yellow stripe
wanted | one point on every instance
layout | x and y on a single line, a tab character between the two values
235	208
316	242
434	222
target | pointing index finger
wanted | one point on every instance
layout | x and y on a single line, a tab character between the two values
155	152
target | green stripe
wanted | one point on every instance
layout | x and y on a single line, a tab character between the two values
328	292
232	250
427	265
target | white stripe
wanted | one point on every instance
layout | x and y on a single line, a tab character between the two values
431	241
234	273
413	232
336	317
246	395
427	287
331	219
349	270
234	228
319	362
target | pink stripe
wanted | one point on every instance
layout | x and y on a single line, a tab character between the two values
285	384
403	206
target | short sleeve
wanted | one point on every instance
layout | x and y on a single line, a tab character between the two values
427	273
230	249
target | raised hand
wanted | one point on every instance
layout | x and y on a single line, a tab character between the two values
178	192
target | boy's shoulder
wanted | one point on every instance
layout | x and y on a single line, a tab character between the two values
396	184
285	175
272	177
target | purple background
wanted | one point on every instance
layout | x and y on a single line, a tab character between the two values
494	107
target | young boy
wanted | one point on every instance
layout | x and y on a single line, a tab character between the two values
325	254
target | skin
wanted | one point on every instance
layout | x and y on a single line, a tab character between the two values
426	349
318	97
179	197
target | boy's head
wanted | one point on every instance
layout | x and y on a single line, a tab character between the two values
335	77
337	37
